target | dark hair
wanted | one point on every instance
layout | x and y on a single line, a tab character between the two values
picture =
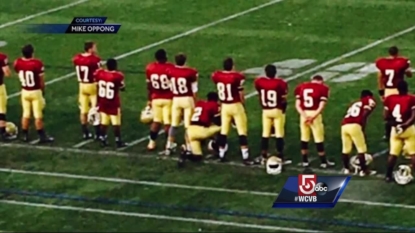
213	96
180	59
228	64
88	45
393	51
318	78
161	55
402	87
270	71
112	64
28	51
365	93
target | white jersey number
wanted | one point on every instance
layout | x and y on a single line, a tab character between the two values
82	72
179	86
27	78
396	113
308	100
354	110
160	82
269	98
106	90
196	114
391	74
224	91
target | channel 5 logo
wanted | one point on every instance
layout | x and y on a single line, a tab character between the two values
311	191
308	185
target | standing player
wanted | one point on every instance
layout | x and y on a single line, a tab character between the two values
205	123
4	72
272	92
110	83
229	84
352	131
159	95
311	98
184	87
392	69
86	64
400	113
32	80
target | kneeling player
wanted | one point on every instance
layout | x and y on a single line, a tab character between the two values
400	112
204	124
110	83
352	131
31	75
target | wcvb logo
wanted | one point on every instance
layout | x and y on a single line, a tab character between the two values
346	72
308	186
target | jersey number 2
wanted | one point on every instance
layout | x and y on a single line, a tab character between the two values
196	114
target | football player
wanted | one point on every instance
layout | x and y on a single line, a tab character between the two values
110	84
4	72
86	64
204	124
159	95
311	98
184	87
400	113
272	92
32	80
392	69
352	131
229	84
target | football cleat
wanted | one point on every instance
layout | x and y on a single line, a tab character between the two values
403	175
87	136
345	171
327	164
121	144
248	162
146	116
171	149
94	117
273	165
46	139
367	173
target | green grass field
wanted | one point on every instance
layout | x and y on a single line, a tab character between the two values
70	186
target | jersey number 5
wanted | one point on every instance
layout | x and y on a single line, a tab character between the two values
27	78
307	98
106	90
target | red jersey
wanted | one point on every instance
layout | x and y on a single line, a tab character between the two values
30	72
3	63
399	107
392	70
228	84
158	83
109	85
311	94
85	66
204	112
355	111
271	92
183	80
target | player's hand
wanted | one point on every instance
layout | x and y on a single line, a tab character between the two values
309	120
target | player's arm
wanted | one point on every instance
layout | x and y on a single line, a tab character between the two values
284	97
5	67
42	78
122	83
323	102
216	117
381	86
408	71
149	88
367	110
241	90
195	86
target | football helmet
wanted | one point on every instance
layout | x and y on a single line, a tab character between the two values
273	165
93	116
355	164
403	175
11	129
146	116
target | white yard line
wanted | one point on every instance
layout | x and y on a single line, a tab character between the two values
314	69
29	17
183	186
149	156
176	37
158	217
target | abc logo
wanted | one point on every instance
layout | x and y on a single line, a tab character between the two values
321	188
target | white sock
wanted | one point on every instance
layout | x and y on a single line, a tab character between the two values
168	145
188	147
245	153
